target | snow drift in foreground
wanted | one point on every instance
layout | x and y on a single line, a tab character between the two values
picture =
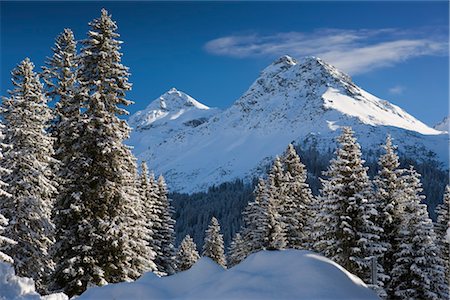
286	274
20	288
14	287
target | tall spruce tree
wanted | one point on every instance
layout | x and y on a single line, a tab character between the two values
164	232
60	76
30	180
388	187
255	228
276	236
418	271
138	227
155	213
237	251
98	216
442	229
149	195
187	254
296	211
213	246
345	229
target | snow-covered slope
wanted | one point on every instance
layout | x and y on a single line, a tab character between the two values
444	125
287	274
304	102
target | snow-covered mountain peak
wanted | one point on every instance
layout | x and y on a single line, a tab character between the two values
311	89
169	106
175	99
306	68
444	125
172	113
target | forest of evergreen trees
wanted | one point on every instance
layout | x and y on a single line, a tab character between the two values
228	200
75	211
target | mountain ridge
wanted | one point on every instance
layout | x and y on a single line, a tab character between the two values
303	101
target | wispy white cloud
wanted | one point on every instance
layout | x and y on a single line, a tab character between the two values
354	51
396	90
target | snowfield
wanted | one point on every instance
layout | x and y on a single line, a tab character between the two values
285	274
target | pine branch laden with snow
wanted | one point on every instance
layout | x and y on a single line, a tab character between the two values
30	179
344	224
418	271
442	228
99	216
187	254
4	241
296	210
163	230
213	245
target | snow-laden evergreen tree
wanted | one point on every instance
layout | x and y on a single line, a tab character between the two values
187	254
237	251
418	271
213	245
442	230
276	236
155	214
388	188
149	196
30	180
98	242
4	194
60	76
164	232
255	221
296	210
345	229
140	235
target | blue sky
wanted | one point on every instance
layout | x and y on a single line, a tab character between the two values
215	50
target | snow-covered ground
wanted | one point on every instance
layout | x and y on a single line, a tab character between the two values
13	287
305	102
286	274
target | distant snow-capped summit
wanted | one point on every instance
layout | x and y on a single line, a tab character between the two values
303	101
171	105
444	125
171	113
